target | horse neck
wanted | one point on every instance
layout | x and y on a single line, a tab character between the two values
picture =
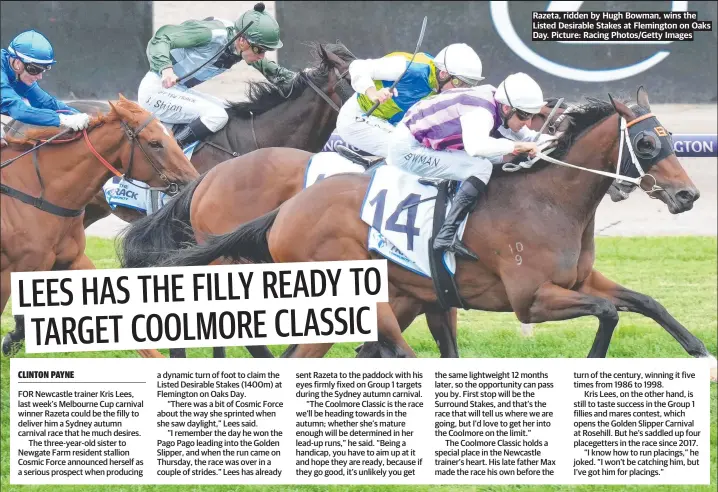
578	192
76	175
303	123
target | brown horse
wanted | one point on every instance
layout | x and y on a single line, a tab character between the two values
550	209
47	233
303	118
245	188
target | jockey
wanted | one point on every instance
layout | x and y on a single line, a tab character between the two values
174	51
457	65
430	142
28	56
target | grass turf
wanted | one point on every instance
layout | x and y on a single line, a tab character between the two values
679	272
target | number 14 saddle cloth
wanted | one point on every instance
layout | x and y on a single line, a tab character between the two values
400	212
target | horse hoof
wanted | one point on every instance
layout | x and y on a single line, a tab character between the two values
527	329
9	346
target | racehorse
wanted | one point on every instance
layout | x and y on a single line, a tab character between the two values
45	189
245	188
303	118
550	209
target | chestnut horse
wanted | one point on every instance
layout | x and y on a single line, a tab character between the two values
302	119
550	209
45	188
245	188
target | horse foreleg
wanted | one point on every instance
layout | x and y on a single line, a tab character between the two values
406	309
307	351
12	340
554	303
391	342
442	325
95	210
627	300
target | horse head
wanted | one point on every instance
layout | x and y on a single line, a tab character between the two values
334	61
648	153
160	160
538	120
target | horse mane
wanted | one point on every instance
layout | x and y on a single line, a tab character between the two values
580	119
263	96
34	134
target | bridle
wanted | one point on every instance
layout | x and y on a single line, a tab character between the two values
340	78
623	166
171	188
42	204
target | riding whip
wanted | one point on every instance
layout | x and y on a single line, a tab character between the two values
179	81
391	89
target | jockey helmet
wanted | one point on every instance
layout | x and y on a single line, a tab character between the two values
460	61
521	92
264	31
32	47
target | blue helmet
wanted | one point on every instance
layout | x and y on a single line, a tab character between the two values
32	47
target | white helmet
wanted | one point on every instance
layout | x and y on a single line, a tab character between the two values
461	61
521	92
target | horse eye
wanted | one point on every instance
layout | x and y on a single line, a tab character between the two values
156	144
645	145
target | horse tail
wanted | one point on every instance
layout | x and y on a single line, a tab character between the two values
147	241
247	243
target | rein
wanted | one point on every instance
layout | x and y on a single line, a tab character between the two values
625	139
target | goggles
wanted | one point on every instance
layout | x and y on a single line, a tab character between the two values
522	115
34	69
258	50
460	81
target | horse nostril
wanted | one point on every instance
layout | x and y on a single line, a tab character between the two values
687	196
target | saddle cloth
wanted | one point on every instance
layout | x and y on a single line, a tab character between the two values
400	213
325	164
122	193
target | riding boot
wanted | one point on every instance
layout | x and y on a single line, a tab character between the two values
196	130
464	202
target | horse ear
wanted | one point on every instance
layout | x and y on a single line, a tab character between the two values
118	110
622	109
642	98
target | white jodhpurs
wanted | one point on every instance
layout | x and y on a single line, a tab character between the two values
405	152
371	136
179	104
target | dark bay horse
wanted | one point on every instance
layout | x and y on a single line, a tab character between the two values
550	209
301	118
245	188
50	235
